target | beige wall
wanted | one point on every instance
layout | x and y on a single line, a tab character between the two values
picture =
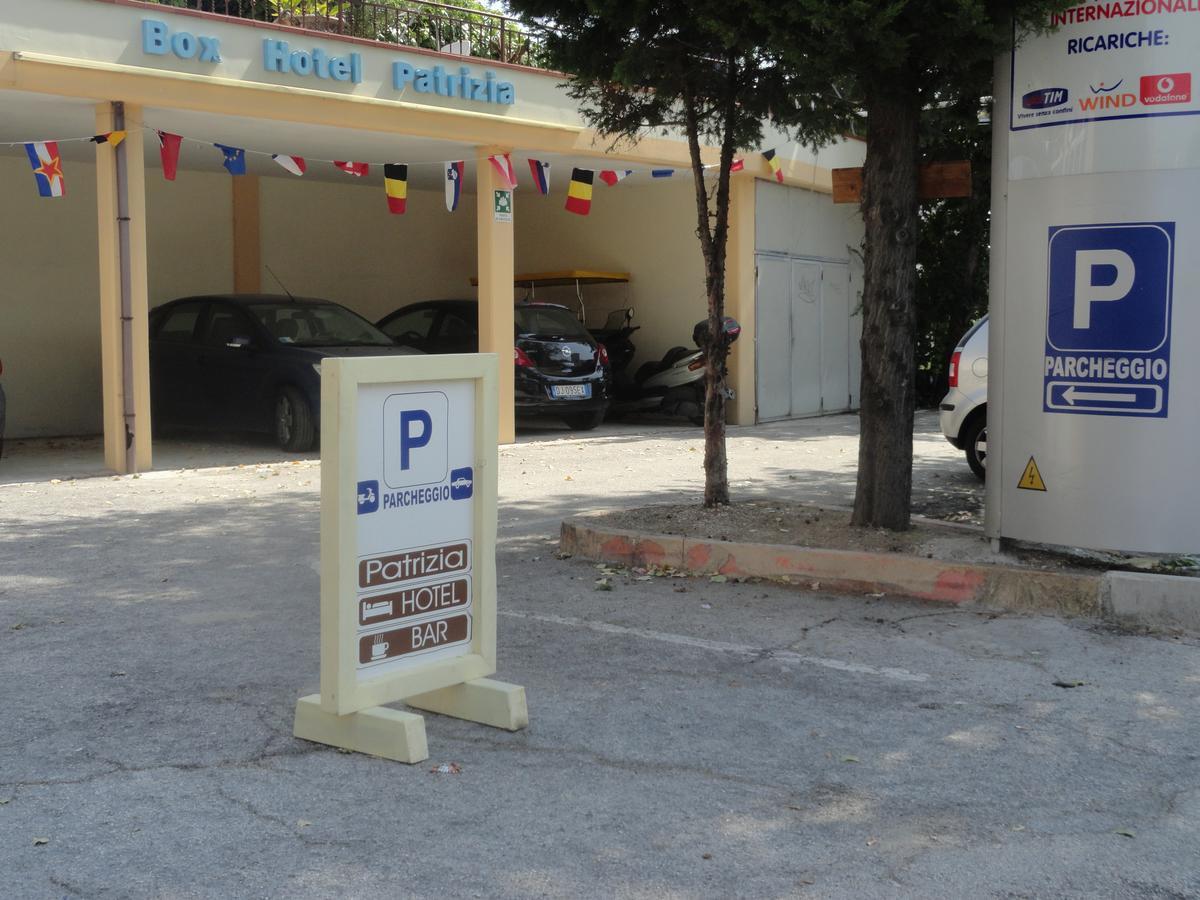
647	229
338	241
49	294
805	223
49	303
190	238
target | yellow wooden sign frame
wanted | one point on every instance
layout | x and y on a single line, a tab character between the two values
348	712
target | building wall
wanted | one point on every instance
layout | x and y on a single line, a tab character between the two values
49	295
49	303
338	241
646	229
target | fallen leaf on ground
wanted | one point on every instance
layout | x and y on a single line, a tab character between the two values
1124	832
871	842
719	579
850	759
1068	684
603	584
303	823
38	841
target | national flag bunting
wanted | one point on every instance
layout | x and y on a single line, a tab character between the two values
504	167
357	169
737	165
609	177
168	148
235	159
579	192
541	175
294	164
769	156
454	179
109	137
395	182
662	173
47	168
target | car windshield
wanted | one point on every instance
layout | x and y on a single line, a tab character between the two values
549	322
318	325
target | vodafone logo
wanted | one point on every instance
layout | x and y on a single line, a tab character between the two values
1173	88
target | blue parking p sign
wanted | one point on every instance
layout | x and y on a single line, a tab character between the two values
1108	319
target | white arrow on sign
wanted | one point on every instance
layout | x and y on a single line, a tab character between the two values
1070	395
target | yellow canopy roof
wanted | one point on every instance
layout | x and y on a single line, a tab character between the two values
565	277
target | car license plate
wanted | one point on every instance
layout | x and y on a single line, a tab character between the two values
570	390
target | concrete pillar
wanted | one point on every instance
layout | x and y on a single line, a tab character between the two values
495	285
740	287
247	235
124	331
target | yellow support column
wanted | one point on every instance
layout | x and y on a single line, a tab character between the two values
124	302
247	235
740	287
495	233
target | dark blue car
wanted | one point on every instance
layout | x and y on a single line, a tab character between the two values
252	362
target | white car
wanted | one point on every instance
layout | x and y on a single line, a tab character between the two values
964	408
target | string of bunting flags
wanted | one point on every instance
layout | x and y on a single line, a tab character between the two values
46	161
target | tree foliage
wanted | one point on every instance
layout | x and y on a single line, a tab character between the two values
952	255
896	60
703	68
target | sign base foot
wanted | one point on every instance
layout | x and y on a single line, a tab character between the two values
482	700
379	731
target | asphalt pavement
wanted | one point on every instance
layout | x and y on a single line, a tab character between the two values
687	738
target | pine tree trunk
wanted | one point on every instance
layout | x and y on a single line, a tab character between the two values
883	497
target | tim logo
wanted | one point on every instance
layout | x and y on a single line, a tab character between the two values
1044	98
1174	88
461	483
368	497
415	448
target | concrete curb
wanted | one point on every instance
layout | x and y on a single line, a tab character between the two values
1004	587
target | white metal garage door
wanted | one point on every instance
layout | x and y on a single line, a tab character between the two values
803	322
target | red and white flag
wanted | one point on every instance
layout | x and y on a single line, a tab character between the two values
357	169
504	167
610	177
294	164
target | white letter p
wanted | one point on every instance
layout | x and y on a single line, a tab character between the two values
1087	293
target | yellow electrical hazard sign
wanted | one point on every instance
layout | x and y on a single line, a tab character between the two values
1031	478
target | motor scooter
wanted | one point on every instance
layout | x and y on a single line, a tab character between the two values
615	335
673	385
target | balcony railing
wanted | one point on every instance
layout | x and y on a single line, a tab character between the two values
408	23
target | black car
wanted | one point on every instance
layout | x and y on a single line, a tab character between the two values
252	361
560	369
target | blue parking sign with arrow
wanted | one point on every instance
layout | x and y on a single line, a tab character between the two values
1108	319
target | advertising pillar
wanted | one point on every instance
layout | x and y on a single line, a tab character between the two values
1092	415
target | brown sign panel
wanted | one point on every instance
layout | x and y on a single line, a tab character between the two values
440	596
847	185
419	637
934	181
411	565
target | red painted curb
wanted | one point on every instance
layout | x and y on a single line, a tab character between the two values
843	571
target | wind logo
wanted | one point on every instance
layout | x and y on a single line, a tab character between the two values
1107	98
1044	98
1173	88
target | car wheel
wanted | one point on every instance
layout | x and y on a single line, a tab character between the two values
294	428
974	441
584	421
